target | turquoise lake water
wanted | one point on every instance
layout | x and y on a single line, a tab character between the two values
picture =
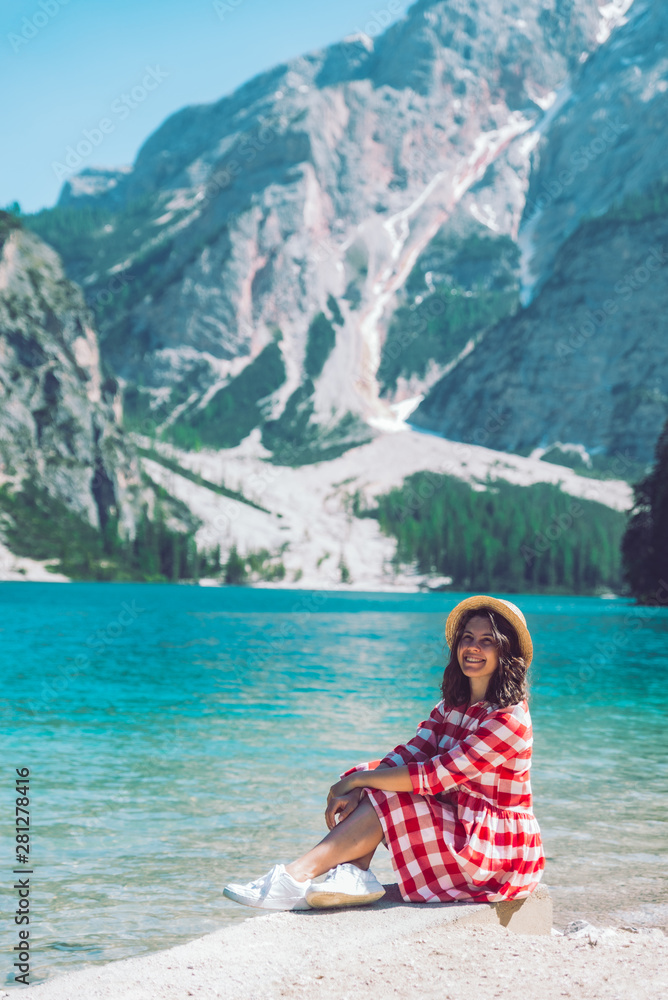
179	737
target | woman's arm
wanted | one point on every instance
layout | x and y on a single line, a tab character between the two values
390	774
503	737
345	795
388	779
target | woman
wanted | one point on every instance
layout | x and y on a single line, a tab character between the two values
453	806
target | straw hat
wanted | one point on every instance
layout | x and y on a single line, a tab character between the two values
509	611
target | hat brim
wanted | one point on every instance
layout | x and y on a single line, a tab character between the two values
509	611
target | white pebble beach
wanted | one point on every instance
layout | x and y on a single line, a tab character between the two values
389	949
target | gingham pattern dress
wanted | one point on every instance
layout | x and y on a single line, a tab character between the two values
467	831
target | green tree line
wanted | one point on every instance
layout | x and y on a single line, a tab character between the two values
503	537
40	526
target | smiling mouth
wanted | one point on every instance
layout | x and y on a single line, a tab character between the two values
470	659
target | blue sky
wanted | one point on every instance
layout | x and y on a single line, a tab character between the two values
65	64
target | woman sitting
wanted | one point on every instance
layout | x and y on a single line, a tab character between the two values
453	805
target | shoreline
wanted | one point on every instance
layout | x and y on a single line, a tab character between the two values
207	583
302	515
392	948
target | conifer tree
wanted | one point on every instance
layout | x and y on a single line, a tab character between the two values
645	543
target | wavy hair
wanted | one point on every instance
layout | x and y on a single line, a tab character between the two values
508	684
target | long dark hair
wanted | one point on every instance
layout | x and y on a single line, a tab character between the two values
508	684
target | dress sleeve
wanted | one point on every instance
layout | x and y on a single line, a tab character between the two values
502	737
420	748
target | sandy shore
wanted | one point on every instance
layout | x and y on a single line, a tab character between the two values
390	949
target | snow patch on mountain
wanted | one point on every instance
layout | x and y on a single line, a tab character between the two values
612	15
308	517
526	236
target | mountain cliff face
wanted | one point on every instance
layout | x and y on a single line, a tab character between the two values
606	142
585	365
461	223
59	430
285	221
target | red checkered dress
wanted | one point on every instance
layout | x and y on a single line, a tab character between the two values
467	830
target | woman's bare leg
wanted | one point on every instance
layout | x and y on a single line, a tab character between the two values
354	839
364	861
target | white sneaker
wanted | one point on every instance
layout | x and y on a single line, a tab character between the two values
345	885
277	890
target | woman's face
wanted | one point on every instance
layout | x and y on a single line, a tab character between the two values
477	651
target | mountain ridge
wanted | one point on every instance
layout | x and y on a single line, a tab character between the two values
305	184
356	239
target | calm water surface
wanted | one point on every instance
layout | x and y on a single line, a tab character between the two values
178	737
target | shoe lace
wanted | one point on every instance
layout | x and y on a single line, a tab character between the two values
260	882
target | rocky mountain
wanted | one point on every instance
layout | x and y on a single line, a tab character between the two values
60	428
606	141
583	368
74	497
81	496
251	268
460	223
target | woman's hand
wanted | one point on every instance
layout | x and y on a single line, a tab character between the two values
341	801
